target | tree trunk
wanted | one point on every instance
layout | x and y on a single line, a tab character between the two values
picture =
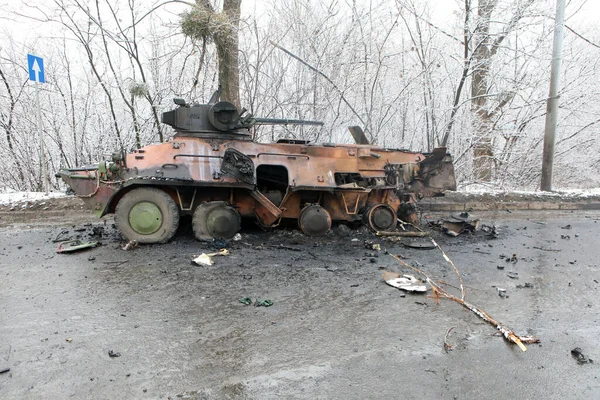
227	51
483	154
205	23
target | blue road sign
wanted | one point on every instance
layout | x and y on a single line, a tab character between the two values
36	68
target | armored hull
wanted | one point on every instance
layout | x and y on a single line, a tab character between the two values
219	176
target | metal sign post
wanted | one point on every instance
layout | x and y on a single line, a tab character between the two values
36	73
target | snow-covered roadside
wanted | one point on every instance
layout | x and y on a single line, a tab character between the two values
475	189
16	198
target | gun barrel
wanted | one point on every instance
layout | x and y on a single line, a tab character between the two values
285	121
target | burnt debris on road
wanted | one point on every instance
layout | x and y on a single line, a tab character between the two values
324	321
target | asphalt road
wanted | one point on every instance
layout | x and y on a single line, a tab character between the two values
335	330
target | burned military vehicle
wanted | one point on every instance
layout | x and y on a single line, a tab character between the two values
215	172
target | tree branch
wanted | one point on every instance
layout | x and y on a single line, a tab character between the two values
437	28
289	53
517	16
581	37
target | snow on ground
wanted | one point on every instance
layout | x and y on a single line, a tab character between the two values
482	189
11	197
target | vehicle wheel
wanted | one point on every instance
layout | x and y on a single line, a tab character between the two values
215	220
147	215
314	220
380	217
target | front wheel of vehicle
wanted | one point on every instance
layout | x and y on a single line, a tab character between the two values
147	215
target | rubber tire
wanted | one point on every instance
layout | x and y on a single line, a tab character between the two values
200	218
168	208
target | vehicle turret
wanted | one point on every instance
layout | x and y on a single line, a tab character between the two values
218	117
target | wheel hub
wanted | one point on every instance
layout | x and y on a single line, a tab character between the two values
314	220
381	217
145	218
223	222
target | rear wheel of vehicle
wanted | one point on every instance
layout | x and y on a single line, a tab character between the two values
381	218
215	220
147	215
314	220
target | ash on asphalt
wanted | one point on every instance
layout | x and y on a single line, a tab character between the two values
335	330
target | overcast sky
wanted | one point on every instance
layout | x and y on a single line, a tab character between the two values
582	15
582	12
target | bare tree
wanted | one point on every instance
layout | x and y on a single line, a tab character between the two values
85	36
408	83
486	44
7	123
426	62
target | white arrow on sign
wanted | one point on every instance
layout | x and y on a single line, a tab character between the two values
36	68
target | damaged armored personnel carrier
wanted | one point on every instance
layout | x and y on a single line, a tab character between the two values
214	171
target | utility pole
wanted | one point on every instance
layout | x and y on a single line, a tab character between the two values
552	102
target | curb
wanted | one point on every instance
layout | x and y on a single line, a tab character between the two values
504	206
44	213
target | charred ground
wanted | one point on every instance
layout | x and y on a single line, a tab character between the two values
335	330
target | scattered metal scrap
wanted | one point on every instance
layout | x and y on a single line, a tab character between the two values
403	234
462	222
439	292
491	231
404	282
258	303
418	244
263	303
581	358
544	249
113	354
527	285
513	259
513	275
71	246
372	246
459	223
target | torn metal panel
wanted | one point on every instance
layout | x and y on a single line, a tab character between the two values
419	244
459	223
405	282
71	246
